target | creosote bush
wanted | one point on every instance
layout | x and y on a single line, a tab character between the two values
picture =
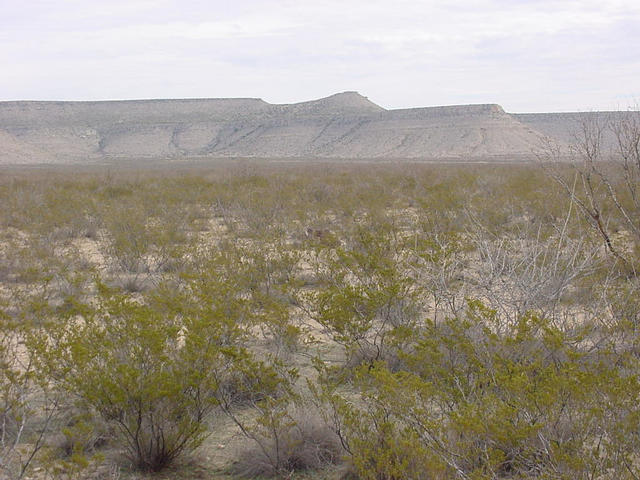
484	398
29	408
369	303
155	377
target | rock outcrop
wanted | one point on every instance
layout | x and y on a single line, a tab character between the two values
345	125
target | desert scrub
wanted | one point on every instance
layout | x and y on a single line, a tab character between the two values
297	441
484	398
603	184
29	408
369	305
153	376
516	387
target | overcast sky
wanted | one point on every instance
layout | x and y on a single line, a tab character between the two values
526	55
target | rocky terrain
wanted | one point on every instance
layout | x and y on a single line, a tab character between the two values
345	125
566	127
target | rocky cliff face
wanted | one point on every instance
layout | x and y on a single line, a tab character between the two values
345	125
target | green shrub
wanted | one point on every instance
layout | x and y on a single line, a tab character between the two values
484	399
369	305
28	408
152	375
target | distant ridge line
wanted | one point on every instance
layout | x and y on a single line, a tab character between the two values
345	125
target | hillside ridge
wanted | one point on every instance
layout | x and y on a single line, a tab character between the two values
344	125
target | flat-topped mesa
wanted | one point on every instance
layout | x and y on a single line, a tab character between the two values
568	126
345	125
94	113
487	109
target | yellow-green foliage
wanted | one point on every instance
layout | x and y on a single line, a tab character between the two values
155	376
483	399
464	321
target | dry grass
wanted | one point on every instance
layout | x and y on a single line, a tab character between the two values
307	445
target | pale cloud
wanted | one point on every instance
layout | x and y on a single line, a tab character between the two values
528	55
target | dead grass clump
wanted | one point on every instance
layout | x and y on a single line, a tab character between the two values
240	391
370	354
306	445
131	283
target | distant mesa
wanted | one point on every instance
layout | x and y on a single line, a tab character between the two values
342	126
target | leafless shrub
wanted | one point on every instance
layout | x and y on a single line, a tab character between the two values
306	444
527	271
605	185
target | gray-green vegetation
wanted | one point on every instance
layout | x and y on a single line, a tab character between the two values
379	322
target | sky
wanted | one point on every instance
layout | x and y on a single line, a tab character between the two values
526	55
